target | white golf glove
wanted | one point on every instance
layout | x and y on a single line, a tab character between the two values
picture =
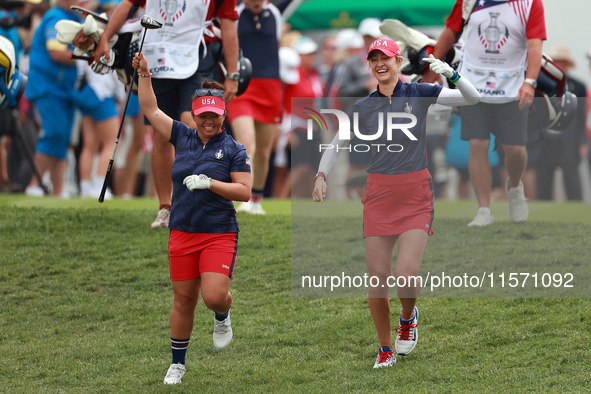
102	66
441	67
197	182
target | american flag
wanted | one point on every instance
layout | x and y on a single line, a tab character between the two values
161	61
491	85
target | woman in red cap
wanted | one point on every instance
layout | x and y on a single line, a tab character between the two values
210	170
398	204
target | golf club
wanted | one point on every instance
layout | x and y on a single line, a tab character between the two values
148	23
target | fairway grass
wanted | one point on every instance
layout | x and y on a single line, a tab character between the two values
85	297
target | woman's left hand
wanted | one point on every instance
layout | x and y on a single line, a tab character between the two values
439	66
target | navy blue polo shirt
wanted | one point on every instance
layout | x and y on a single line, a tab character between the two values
203	211
399	154
259	37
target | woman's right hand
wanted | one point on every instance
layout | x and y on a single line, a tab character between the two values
319	193
140	64
102	49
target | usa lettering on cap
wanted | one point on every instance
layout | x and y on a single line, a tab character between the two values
386	45
379	43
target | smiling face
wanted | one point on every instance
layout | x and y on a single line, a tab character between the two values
208	124
385	68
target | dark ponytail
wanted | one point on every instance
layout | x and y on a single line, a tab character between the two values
212	85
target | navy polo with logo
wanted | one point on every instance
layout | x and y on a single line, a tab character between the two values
406	155
203	211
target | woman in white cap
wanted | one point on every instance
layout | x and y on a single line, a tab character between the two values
398	204
210	170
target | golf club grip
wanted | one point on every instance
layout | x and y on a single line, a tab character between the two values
110	167
81	57
107	177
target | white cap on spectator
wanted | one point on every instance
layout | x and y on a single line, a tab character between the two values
349	38
370	27
289	60
305	45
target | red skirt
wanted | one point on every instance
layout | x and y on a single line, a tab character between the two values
394	204
262	100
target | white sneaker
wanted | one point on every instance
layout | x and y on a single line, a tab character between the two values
222	332
408	335
243	207
254	208
162	219
175	374
34	191
518	210
484	217
385	358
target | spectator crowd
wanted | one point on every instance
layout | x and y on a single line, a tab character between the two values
69	114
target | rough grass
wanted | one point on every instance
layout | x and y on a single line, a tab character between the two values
85	298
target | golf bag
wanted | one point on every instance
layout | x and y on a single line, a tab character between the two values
554	107
12	82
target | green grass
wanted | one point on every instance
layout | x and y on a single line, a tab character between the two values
85	297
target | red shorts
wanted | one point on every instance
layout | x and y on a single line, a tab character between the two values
394	204
190	254
262	100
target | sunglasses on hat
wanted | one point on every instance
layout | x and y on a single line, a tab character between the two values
209	92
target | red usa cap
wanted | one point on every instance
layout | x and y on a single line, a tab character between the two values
208	104
386	46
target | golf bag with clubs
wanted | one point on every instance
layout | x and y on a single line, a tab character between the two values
125	44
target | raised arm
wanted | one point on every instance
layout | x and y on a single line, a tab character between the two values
466	94
160	122
444	43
